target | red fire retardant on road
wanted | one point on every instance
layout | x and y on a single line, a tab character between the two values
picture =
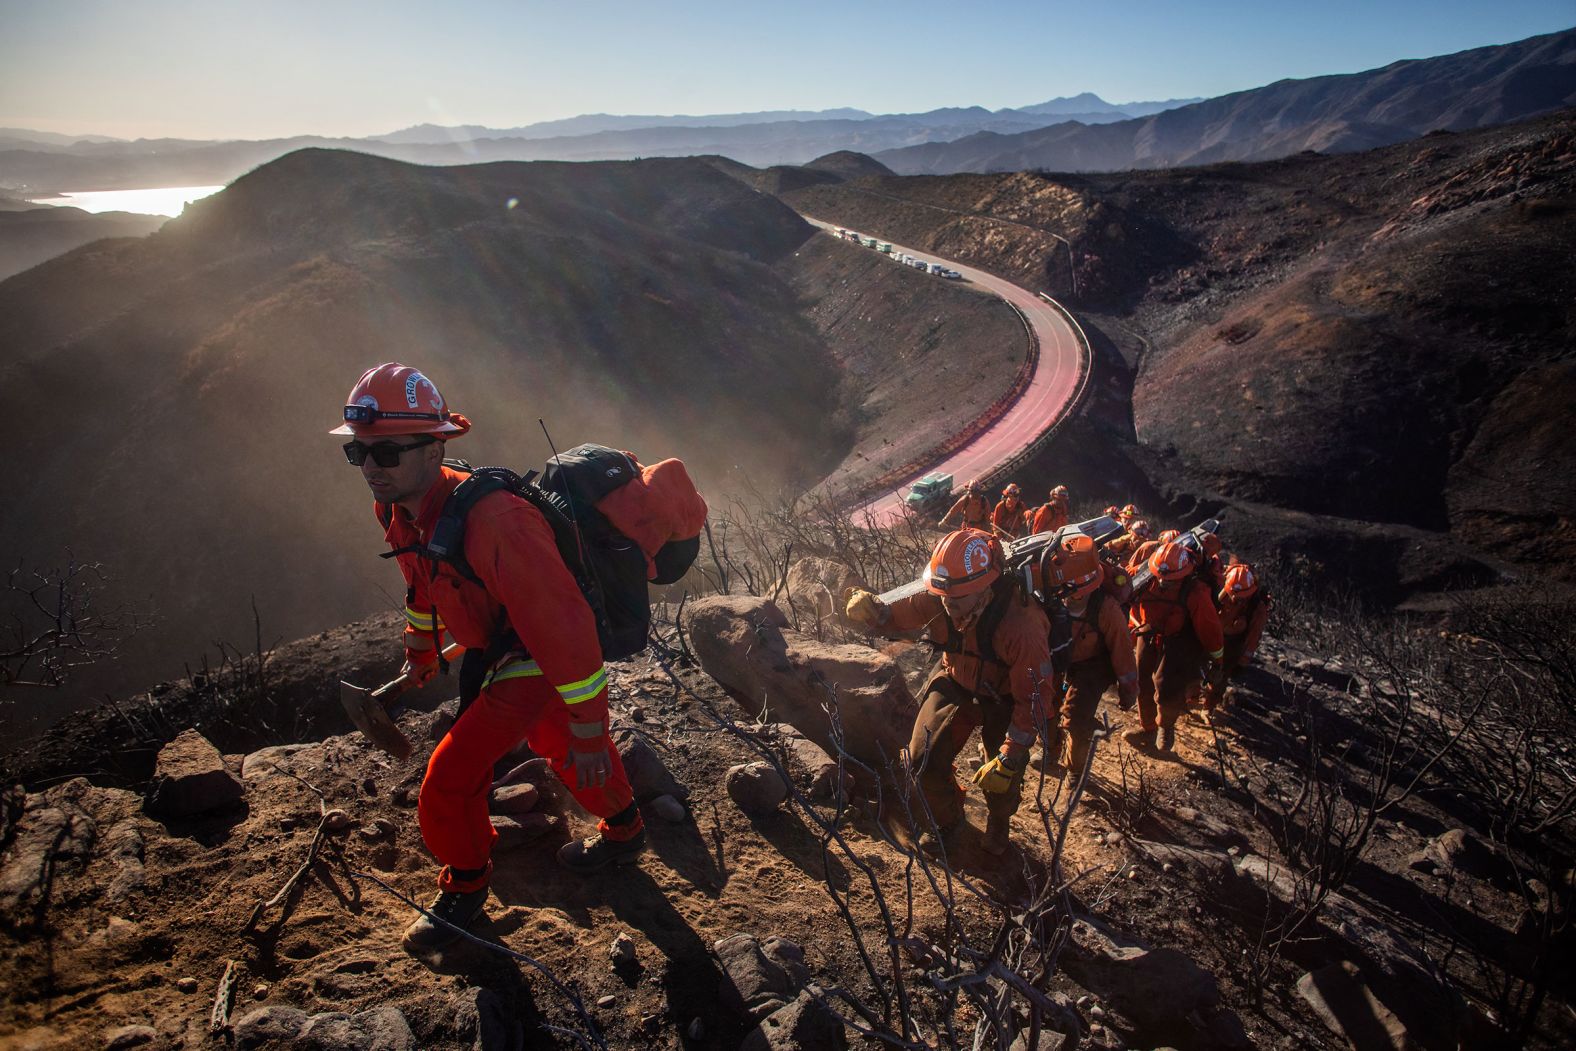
1048	396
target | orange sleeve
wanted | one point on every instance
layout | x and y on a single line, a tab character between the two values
1118	643
957	508
511	548
1206	619
917	611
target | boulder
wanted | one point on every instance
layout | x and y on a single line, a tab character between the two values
1461	851
757	788
1047	1040
763	976
45	836
521	829
648	775
1400	974
815	588
513	799
1126	972
803	1025
813	767
190	778
265	762
380	1029
1350	1010
1206	866
745	644
267	1026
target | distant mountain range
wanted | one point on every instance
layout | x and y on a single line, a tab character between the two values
1335	114
1484	86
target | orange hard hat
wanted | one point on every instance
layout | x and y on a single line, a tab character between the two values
1168	535
973	486
1113	511
1239	581
964	562
1071	569
1171	562
1060	490
396	399
1011	490
1130	509
1143	530
1211	544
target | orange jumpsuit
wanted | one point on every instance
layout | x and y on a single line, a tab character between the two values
1176	626
1002	696
1099	654
1007	518
1137	556
551	690
1049	516
973	511
1241	624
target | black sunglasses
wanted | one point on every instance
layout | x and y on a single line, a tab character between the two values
384	454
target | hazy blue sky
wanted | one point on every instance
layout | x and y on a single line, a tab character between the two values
266	68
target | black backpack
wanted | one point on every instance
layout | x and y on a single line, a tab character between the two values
608	567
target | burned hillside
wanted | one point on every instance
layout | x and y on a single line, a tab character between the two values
1292	333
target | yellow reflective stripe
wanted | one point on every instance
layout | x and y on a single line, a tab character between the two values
515	669
585	689
422	621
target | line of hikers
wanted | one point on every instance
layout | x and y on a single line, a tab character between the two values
1012	665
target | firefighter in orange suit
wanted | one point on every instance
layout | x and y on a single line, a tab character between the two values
1100	650
994	673
1175	626
544	681
1244	609
1007	517
1052	514
972	509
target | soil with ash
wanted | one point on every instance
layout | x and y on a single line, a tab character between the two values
1375	341
130	921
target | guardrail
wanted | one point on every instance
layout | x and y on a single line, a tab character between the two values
1044	438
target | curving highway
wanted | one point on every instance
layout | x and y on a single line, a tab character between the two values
1051	393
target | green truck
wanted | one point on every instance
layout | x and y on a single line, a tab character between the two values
930	494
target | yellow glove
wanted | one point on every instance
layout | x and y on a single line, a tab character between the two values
996	776
863	607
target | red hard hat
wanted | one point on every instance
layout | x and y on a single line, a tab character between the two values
1168	535
1143	530
1072	568
396	399
1239	581
1113	511
1130	509
1171	562
1060	490
973	486
1011	490
964	562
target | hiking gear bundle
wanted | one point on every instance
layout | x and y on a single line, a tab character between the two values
616	524
396	399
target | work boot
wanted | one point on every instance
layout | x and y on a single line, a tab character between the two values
588	855
997	833
1141	738
459	908
1168	738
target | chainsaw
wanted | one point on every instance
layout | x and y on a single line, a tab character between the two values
368	709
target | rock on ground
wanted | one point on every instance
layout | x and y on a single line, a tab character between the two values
648	775
746	645
814	767
815	588
190	778
757	788
763	975
482	1017
1345	1004
1129	974
803	1025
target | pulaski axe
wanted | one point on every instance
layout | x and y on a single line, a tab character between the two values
368	709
